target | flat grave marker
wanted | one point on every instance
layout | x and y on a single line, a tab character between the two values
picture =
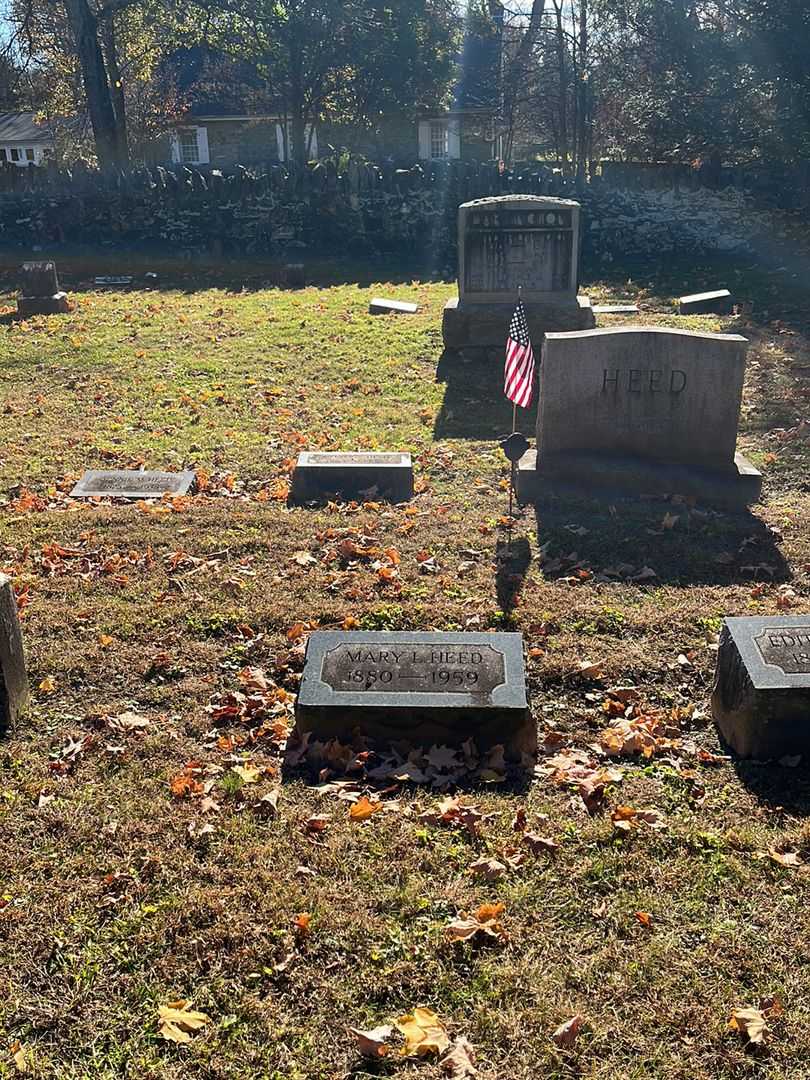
761	698
352	475
615	309
13	678
719	302
419	688
131	484
379	306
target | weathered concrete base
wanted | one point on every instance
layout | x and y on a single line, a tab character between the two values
761	711
605	475
719	302
13	678
483	327
58	304
352	475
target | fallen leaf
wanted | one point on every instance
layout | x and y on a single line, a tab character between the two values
539	843
177	1022
48	685
424	1033
644	917
489	869
363	809
301	923
372	1044
789	859
458	1062
484	922
20	1057
566	1034
249	774
749	1022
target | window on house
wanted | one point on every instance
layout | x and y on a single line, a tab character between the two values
3	154
15	154
439	141
189	146
29	154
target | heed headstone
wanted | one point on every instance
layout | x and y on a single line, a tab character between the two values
645	410
419	688
707	303
507	242
352	475
131	484
761	699
13	679
40	293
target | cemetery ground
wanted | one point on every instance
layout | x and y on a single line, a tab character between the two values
153	846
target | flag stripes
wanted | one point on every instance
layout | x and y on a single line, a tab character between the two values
519	368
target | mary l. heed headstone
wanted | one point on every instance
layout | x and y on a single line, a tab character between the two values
645	410
513	241
419	688
13	678
761	699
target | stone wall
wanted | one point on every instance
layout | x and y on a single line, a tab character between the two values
349	207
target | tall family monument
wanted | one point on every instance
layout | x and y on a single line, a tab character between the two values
504	243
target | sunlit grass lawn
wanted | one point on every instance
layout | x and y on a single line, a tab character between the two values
111	906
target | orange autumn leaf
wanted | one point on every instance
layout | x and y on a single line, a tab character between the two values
363	809
48	685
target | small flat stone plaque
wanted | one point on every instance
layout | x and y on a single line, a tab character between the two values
379	306
761	699
719	302
369	475
420	688
13	678
131	484
615	309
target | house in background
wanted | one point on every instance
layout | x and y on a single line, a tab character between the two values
23	141
225	140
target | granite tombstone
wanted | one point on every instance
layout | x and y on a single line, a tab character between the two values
645	410
508	242
13	678
39	291
131	484
761	698
419	688
352	475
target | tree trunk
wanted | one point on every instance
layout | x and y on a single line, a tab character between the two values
562	65
583	109
116	91
84	26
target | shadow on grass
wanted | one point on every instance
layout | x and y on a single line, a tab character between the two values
655	541
78	269
775	787
474	405
513	562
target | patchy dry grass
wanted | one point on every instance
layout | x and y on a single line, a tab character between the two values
109	906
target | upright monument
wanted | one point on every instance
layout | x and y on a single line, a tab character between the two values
641	409
510	242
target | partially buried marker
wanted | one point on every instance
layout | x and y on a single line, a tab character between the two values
131	484
419	688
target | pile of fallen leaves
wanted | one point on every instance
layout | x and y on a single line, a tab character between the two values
439	767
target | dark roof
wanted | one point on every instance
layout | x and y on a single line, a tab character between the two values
22	127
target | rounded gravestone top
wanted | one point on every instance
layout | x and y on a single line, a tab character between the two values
533	200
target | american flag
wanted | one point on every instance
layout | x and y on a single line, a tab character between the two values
519	371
